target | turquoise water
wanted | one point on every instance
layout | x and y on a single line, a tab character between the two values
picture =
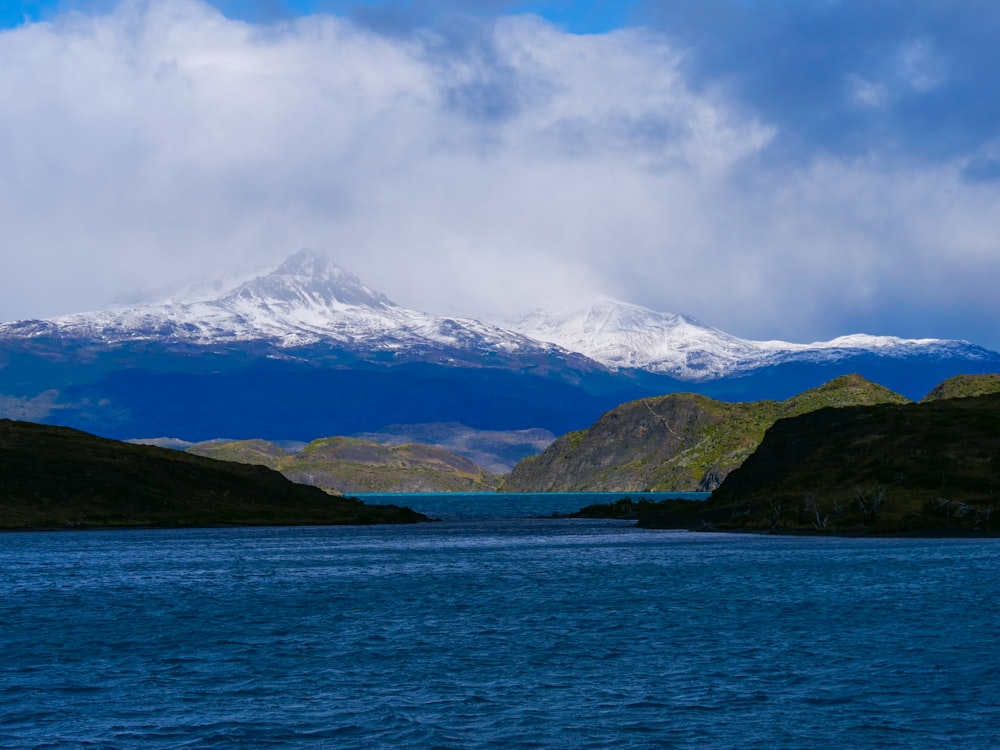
458	505
495	632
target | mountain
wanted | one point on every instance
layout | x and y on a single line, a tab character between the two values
621	335
55	477
679	442
349	465
497	451
304	351
307	350
881	468
307	300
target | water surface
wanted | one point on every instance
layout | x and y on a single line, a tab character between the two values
498	632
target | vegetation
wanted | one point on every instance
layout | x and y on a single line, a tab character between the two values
679	442
888	468
56	477
343	464
963	386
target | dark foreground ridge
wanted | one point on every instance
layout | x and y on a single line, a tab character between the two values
932	467
57	477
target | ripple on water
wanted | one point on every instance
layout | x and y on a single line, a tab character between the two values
499	633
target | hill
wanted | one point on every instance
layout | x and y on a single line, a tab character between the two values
350	465
963	386
679	442
875	469
57	477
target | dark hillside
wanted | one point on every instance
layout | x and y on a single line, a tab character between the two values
882	468
54	477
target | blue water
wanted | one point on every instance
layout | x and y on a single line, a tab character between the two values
495	633
458	505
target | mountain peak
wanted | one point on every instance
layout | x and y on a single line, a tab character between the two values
620	334
309	263
311	280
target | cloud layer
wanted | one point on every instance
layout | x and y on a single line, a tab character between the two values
490	164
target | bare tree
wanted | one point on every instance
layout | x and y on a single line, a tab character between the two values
775	516
870	502
816	513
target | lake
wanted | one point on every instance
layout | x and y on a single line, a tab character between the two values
492	630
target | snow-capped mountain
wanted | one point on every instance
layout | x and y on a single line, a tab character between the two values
310	300
306	300
308	351
622	335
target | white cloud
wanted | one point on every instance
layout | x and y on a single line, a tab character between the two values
513	167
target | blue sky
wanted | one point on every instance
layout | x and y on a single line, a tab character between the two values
580	17
794	170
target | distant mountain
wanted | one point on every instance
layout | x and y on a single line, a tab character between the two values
349	465
307	300
882	468
307	350
304	351
621	335
679	442
497	451
54	477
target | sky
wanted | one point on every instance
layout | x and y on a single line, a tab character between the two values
779	170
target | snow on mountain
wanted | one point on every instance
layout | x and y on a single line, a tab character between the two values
622	335
307	299
310	300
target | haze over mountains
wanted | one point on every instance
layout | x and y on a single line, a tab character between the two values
307	350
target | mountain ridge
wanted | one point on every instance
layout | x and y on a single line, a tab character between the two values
308	300
623	335
308	350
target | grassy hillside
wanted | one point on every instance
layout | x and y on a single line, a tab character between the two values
56	477
350	465
872	469
963	386
260	452
679	442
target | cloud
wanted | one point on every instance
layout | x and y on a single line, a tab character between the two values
850	77
490	164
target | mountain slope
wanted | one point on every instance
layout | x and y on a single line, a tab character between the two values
679	442
54	477
874	469
308	350
497	451
621	335
350	465
306	300
304	351
964	386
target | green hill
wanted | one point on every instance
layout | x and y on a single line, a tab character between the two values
56	477
875	469
679	442
350	465
963	386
